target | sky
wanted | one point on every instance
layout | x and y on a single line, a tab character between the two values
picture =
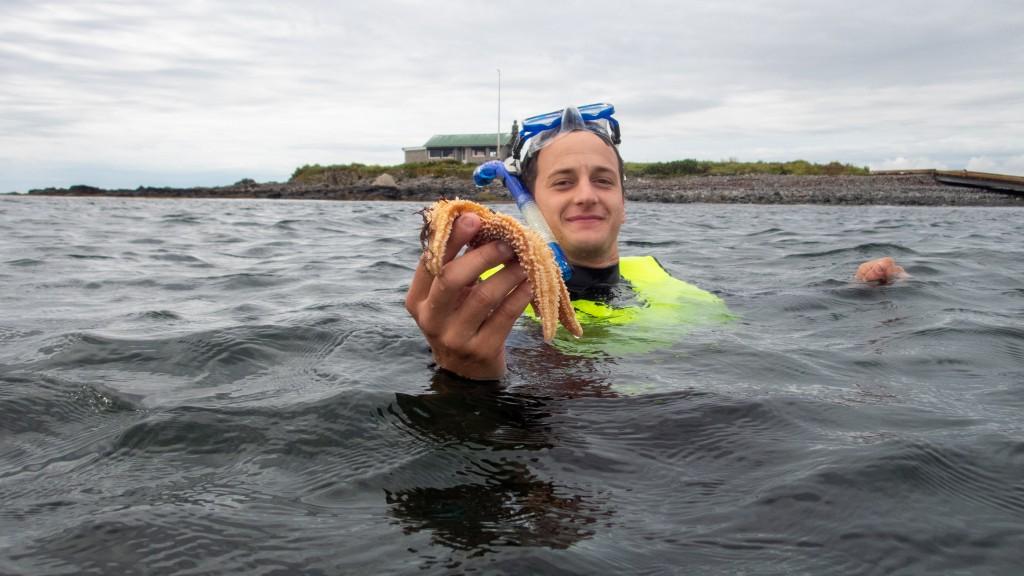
126	93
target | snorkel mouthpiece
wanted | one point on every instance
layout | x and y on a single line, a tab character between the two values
488	171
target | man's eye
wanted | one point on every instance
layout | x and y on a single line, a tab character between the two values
562	183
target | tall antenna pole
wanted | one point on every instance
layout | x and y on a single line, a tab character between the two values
497	150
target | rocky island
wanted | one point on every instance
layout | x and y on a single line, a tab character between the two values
674	182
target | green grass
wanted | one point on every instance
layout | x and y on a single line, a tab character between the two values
314	173
691	167
311	173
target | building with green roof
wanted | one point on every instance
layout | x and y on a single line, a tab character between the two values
468	148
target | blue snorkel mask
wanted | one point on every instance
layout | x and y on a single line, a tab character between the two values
536	133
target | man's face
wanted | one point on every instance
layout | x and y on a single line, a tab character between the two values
579	191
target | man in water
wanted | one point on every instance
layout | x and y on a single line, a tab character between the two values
577	182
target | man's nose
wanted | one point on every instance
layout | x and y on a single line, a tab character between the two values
585	192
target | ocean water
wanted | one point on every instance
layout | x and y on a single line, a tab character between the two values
211	387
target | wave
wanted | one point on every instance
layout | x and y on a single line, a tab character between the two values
206	357
867	250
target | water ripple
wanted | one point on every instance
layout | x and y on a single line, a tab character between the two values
238	389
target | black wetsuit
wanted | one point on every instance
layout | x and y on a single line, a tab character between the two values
598	284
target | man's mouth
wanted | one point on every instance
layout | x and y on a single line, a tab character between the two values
585	218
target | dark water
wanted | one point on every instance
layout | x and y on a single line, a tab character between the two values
208	387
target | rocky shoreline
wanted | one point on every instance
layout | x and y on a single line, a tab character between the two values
900	190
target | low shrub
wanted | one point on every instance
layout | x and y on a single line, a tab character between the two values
315	173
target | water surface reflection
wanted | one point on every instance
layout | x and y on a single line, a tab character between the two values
500	496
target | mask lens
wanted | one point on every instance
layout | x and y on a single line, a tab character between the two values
597	111
541	122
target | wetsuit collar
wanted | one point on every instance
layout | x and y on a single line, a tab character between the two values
593	283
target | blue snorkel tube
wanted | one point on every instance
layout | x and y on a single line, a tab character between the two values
488	171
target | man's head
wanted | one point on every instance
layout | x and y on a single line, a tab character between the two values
577	182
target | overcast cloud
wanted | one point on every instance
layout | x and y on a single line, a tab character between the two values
122	94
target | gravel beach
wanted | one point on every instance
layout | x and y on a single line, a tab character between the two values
902	190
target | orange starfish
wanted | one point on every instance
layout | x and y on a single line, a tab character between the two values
550	296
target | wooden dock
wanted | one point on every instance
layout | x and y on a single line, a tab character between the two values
986	180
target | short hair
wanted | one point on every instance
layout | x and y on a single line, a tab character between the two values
528	171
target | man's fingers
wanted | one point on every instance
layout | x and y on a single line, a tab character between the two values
446	291
465	227
419	289
500	322
488	296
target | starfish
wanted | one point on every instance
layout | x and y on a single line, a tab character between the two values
550	296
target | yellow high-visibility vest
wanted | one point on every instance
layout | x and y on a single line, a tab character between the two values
667	309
